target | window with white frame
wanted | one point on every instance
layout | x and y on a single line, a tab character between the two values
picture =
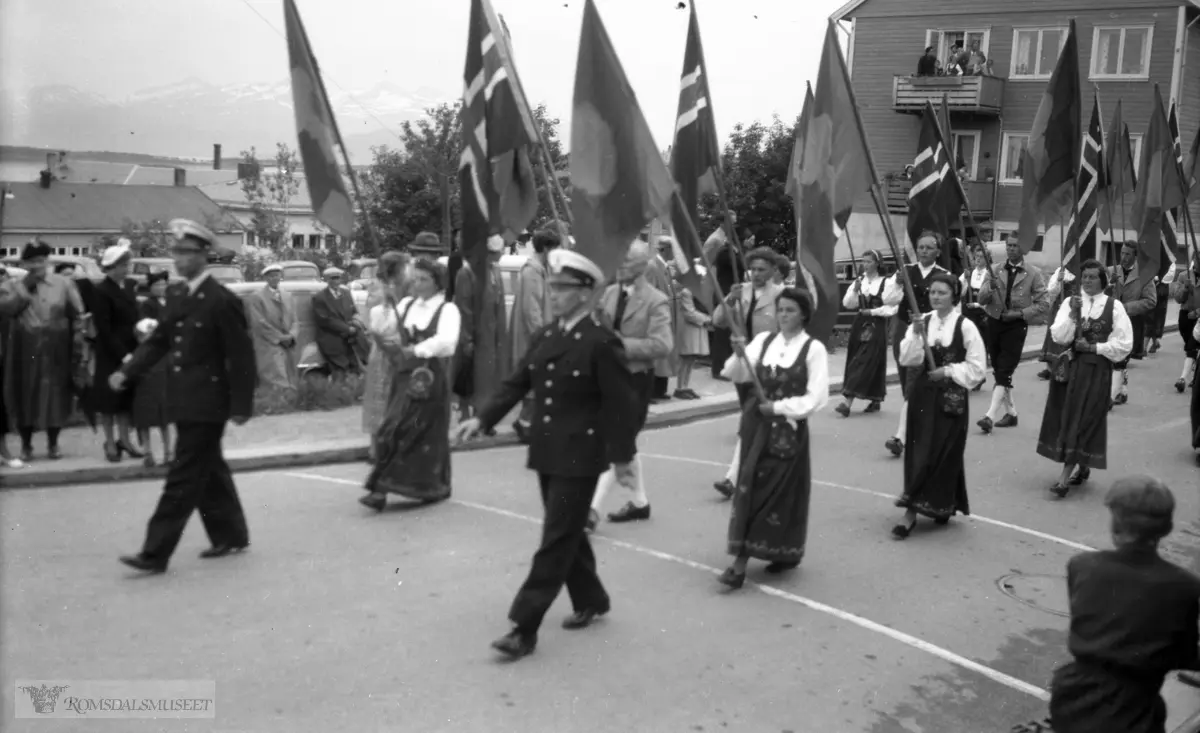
942	40
966	152
1012	156
1121	52
1035	52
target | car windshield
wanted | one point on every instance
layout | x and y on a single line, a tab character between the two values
225	272
153	268
367	272
300	272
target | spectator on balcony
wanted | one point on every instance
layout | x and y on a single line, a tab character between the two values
927	66
956	62
977	63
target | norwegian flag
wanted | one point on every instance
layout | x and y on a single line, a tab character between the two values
499	195
1089	182
927	198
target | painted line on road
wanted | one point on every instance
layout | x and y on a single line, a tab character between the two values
859	490
1170	425
864	623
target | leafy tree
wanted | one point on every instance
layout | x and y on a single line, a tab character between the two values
432	147
270	194
558	164
400	199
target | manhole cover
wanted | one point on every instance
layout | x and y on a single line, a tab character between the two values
1044	592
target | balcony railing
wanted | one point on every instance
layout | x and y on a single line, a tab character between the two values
979	192
981	95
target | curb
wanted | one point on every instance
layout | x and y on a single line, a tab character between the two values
295	457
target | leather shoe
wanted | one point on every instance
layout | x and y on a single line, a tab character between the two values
374	501
1008	421
895	445
222	550
515	645
143	563
985	425
725	488
583	619
777	567
630	513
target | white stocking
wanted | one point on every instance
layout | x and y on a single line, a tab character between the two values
1010	405
603	484
997	405
1188	365
735	464
902	429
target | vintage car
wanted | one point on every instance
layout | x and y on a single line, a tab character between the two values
226	274
300	271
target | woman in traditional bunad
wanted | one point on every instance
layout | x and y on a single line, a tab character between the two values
935	481
969	284
382	296
1099	334
413	442
769	516
866	351
150	392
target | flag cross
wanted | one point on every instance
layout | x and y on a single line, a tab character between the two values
693	98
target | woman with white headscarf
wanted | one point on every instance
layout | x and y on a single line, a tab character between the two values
115	316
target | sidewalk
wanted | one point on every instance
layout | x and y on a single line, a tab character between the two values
336	436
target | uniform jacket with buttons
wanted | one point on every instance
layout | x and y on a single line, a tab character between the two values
1137	301
1028	292
205	340
645	327
585	406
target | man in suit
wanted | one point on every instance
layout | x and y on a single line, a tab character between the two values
341	336
584	419
210	380
1014	296
929	247
641	315
1139	304
752	307
658	274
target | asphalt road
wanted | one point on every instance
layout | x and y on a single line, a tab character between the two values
340	619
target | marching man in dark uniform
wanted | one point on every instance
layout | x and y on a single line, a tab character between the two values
584	418
211	375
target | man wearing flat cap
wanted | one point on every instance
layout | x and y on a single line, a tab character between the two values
46	313
273	326
205	341
341	336
484	347
585	410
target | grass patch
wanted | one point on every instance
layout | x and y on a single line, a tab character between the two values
314	394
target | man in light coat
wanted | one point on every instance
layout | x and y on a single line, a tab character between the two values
641	315
531	311
273	327
658	274
1139	302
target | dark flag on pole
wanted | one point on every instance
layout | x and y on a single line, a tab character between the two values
1052	156
498	191
1160	190
1172	219
931	182
695	159
1085	218
316	131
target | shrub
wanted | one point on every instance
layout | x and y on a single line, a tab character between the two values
314	393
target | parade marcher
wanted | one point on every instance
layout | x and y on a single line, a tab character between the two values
150	391
1096	334
1134	617
929	245
640	315
47	315
341	337
935	481
1139	305
866	349
483	358
210	380
691	337
728	267
413	445
585	415
382	324
1196	402
1185	290
1059	288
531	310
970	282
1014	297
273	327
1156	321
115	317
7	459
753	305
659	276
769	513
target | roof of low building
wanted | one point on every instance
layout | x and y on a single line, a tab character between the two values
101	207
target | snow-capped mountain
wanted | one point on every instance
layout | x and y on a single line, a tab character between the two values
187	117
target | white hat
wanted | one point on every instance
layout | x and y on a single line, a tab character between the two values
273	268
182	228
114	254
567	265
495	243
333	272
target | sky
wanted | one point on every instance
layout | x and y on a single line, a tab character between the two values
759	52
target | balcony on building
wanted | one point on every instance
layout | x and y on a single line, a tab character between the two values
979	95
980	194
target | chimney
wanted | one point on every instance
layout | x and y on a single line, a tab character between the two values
180	177
216	156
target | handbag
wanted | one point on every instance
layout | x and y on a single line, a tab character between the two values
1060	367
953	399
420	383
781	440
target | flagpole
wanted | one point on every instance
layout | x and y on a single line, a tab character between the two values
958	184
562	228
737	327
337	134
858	275
1108	197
